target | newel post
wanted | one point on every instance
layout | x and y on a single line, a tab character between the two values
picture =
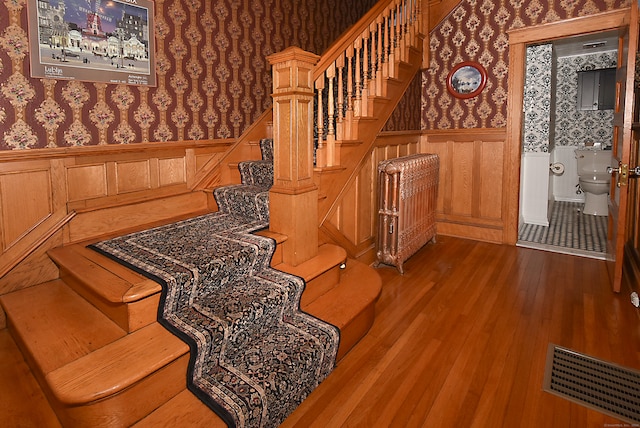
293	199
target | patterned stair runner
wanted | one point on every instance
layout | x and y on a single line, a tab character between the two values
255	356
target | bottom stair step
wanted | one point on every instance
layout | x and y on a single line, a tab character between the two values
351	305
183	410
96	374
93	373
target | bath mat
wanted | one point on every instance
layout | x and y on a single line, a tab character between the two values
599	385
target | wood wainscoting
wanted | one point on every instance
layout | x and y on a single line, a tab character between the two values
52	197
471	200
352	221
471	195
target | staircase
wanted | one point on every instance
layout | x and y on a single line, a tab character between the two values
93	343
357	84
91	338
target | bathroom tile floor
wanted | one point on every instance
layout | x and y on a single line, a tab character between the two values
569	231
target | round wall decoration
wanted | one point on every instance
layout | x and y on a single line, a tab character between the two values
466	80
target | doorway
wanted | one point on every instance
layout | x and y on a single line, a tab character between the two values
555	124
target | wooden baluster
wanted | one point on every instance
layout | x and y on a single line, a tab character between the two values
404	4
364	103
410	5
373	90
391	35
414	22
340	119
331	131
380	58
398	31
400	34
348	131
357	87
321	151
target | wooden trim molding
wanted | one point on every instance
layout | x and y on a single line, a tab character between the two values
90	191
518	40
471	199
604	21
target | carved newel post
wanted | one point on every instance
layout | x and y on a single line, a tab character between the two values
293	199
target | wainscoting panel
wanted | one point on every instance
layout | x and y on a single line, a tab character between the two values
353	221
470	193
86	182
93	191
26	201
172	171
133	176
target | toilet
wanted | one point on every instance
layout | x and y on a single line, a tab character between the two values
594	179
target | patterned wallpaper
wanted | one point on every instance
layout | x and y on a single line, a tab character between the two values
476	31
213	78
537	98
573	126
406	116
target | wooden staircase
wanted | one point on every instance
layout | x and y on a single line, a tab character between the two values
91	338
93	343
355	87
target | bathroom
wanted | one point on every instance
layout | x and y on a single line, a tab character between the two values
558	119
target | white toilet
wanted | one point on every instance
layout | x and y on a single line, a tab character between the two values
594	179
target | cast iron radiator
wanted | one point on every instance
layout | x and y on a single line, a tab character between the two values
407	194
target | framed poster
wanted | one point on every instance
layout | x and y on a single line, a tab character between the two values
108	41
466	80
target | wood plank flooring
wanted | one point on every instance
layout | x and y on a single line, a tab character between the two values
459	341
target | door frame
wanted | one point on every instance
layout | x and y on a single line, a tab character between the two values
518	41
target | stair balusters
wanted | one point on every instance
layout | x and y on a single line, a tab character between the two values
346	87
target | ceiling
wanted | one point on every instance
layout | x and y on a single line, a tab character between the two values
586	44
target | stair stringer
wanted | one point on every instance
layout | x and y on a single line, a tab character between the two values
334	183
222	171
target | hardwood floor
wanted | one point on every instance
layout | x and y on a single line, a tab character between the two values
459	340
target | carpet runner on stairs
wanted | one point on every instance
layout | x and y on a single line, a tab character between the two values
255	356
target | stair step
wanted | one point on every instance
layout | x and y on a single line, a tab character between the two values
277	257
183	410
117	365
128	298
351	305
94	373
23	403
122	382
321	273
55	326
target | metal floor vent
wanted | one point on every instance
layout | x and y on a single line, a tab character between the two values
602	386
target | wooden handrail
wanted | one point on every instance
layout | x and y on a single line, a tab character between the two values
358	64
57	226
349	36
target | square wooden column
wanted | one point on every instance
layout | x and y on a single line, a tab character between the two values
293	199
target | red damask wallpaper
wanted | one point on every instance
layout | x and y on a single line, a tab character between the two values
476	31
213	78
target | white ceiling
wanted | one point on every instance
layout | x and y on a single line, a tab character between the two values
572	46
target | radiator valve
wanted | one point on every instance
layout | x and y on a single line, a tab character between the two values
635	300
